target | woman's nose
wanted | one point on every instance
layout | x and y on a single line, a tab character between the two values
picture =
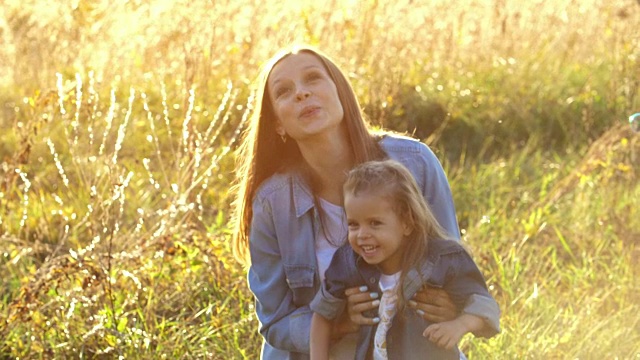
302	93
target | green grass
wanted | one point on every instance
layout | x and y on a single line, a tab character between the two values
116	157
557	246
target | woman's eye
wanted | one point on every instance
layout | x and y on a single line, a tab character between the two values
282	91
313	76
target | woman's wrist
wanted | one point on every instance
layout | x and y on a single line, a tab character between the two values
341	327
337	330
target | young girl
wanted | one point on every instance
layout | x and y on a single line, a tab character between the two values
395	242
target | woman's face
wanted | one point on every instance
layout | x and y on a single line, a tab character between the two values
304	98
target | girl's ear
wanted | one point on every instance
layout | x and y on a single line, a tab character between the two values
280	129
407	229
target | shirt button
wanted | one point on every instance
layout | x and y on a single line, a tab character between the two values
372	280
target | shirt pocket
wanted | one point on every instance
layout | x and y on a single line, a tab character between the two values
300	281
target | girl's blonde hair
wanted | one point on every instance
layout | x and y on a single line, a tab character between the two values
262	153
393	181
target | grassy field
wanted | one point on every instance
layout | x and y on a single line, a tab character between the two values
119	124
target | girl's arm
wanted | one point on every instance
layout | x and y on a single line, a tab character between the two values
466	285
320	337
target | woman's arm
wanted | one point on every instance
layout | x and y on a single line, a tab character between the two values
437	191
320	337
282	324
430	176
432	303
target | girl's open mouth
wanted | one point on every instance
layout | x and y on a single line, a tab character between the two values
368	249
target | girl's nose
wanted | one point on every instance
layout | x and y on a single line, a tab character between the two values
362	232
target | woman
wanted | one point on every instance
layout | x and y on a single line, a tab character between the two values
306	134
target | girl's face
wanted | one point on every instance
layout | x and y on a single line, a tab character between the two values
304	98
376	232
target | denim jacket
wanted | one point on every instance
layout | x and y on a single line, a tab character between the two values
283	275
447	266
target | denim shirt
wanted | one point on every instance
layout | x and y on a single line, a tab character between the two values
447	266
283	275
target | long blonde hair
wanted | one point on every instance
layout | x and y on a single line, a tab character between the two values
394	181
262	153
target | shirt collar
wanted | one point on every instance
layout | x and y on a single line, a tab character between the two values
302	197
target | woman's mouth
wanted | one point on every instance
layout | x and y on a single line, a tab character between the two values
309	111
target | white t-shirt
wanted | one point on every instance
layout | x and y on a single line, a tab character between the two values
388	305
336	229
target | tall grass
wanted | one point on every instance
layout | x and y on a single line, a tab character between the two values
101	208
120	119
558	240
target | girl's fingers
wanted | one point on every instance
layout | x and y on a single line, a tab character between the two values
450	344
435	335
432	318
426	332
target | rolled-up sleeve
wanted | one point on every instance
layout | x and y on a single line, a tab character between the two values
484	307
282	324
468	289
327	305
331	300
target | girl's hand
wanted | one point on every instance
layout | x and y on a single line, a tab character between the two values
445	334
434	305
359	300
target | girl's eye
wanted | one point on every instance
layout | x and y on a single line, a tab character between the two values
375	222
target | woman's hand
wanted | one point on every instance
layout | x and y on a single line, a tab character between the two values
359	300
434	305
343	326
